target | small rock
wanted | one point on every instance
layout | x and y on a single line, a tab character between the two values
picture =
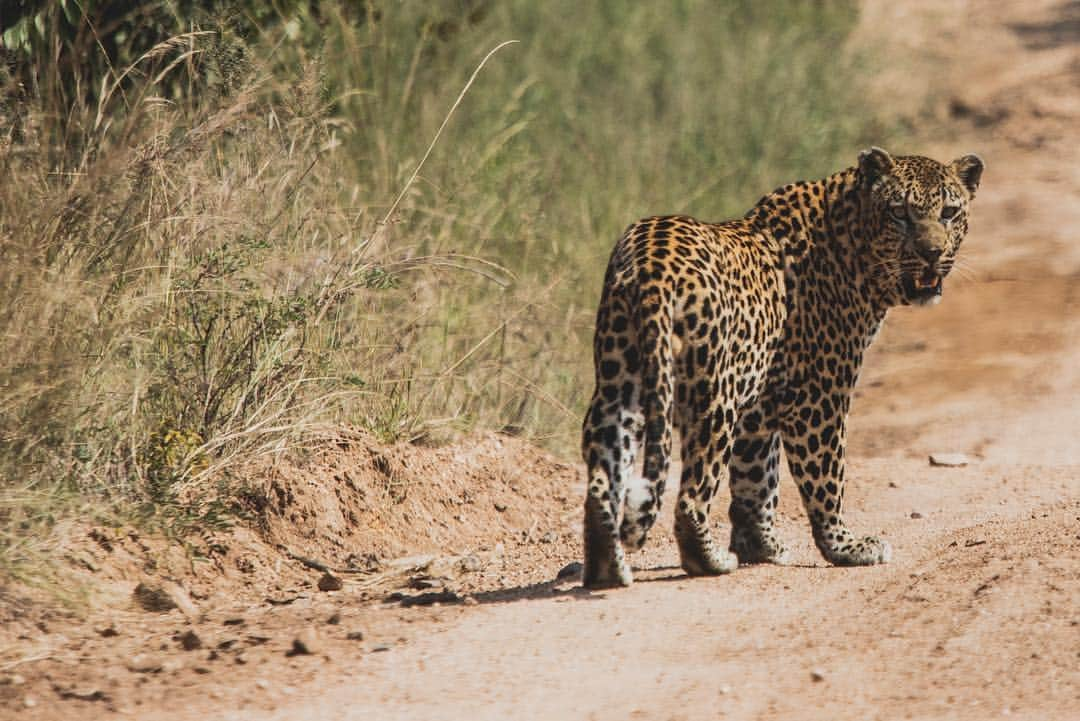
144	663
893	484
725	690
180	599
233	622
916	515
240	659
189	641
470	564
570	570
949	459
284	600
329	582
817	676
305	643
262	683
89	693
500	507
108	632
549	537
470	601
152	598
379	648
432	597
172	665
30	702
354	636
335	619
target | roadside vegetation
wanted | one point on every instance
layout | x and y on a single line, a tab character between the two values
216	245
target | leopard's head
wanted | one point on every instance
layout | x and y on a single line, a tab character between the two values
914	215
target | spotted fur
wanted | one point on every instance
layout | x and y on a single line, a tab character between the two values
749	335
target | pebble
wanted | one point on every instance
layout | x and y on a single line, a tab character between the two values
305	643
144	663
30	702
181	599
430	598
189	641
172	665
354	636
500	507
152	598
916	515
950	460
817	675
329	582
570	570
335	619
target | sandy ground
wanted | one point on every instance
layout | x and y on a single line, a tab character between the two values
977	617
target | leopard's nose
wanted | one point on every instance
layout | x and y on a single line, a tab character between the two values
930	255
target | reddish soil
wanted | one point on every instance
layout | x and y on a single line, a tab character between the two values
978	615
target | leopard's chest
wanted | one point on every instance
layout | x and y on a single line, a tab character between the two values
828	328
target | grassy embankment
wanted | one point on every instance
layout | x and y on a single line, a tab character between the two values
203	260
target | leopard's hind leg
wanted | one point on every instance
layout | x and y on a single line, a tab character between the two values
610	437
607	449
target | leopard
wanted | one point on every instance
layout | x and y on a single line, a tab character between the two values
747	337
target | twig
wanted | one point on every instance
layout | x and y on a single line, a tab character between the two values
431	146
20	661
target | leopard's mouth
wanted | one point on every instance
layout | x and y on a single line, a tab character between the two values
922	288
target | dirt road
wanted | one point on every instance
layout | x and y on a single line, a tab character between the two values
978	615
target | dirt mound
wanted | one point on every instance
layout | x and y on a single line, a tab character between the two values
354	503
349	518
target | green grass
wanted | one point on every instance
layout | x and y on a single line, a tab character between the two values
197	268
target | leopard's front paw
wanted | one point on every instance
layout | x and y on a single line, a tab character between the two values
847	550
699	555
757	544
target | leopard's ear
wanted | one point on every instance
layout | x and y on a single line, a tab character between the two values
874	163
969	169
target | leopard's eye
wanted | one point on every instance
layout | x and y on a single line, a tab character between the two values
898	212
949	212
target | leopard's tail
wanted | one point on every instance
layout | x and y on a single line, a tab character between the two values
654	318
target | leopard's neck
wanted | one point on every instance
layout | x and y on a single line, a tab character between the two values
819	230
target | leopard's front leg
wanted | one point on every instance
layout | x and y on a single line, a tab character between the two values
814	442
